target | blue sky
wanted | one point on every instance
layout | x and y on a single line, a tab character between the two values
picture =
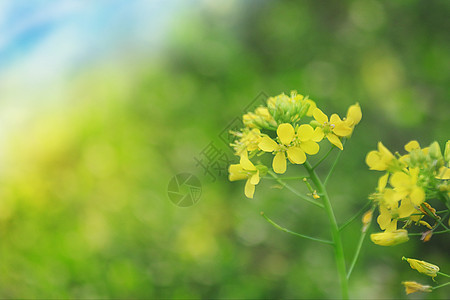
71	32
43	43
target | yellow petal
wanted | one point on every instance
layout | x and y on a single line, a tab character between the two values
412	145
311	108
246	163
406	208
249	189
391	198
335	141
382	182
423	267
417	196
317	135
400	180
374	161
255	178
354	114
296	155
310	147
320	116
236	172
444	173
305	132
384	219
335	119
385	153
341	129
390	238
286	133
267	144
279	163
392	226
412	287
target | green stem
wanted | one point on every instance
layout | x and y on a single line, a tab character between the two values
437	232
294	190
295	233
358	248
323	158
439	286
338	248
424	207
443	274
360	212
288	178
334	165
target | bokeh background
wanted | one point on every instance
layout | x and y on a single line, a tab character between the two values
103	102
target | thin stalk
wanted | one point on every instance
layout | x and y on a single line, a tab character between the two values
303	197
437	232
433	216
295	233
334	165
288	178
338	248
358	248
360	212
323	158
443	274
439	286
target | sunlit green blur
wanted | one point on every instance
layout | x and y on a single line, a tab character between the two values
84	206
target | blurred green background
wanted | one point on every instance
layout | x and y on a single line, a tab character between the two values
87	159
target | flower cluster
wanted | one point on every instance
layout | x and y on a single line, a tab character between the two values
289	128
409	180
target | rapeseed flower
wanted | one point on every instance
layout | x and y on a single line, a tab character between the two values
332	128
380	160
245	170
292	144
354	116
405	183
248	140
423	267
412	287
390	238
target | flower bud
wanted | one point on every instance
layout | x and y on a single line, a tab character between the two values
412	287
435	151
447	152
423	267
366	219
391	238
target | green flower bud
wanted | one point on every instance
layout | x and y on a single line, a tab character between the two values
435	151
447	152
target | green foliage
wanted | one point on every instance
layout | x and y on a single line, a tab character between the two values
84	211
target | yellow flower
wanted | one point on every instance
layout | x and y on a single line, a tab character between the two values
390	238
248	140
379	160
443	173
412	287
333	128
406	185
295	145
354	115
388	201
412	145
422	267
245	170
